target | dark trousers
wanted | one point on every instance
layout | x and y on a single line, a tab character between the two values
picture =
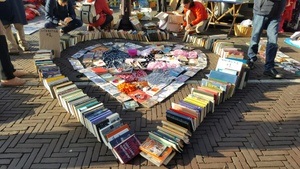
75	23
107	21
7	66
161	6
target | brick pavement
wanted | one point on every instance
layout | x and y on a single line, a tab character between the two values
257	128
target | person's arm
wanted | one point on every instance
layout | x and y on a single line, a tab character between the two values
49	7
71	10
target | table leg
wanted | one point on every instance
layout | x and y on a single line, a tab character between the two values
236	10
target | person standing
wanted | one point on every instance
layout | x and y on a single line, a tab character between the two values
161	6
9	75
266	15
195	16
61	13
18	20
104	15
287	14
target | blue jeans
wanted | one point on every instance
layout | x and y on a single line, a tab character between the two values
271	25
75	23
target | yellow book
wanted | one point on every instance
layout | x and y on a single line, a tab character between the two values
51	79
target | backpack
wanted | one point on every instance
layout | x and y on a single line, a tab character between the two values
88	13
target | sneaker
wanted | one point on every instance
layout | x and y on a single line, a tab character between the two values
24	46
250	62
273	73
13	82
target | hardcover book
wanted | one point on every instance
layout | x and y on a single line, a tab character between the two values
128	149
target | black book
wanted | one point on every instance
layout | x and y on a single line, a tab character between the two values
182	122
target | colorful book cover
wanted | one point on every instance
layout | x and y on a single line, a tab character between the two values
139	96
153	147
127	149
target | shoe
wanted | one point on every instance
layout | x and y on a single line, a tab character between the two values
19	73
250	62
24	46
13	82
90	28
273	73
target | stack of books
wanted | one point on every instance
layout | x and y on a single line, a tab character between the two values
44	64
161	145
232	61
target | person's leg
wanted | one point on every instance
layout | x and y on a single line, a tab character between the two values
164	5
50	25
7	69
158	6
7	66
258	22
75	23
200	27
272	47
11	40
107	21
21	37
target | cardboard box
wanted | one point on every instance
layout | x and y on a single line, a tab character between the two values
170	21
173	27
50	39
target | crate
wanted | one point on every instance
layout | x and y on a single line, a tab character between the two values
240	30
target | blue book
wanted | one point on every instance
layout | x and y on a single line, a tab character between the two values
222	77
244	61
120	139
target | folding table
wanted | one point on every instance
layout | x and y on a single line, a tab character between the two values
233	10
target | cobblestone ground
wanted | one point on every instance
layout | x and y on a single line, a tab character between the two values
257	128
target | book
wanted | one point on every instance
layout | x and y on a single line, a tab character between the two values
165	142
153	147
120	139
176	118
128	149
174	133
158	161
116	132
105	130
177	127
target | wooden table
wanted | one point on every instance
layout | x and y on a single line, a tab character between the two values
234	11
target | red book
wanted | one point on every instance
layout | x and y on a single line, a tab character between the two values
99	70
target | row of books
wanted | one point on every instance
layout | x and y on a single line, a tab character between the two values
105	125
68	40
204	41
